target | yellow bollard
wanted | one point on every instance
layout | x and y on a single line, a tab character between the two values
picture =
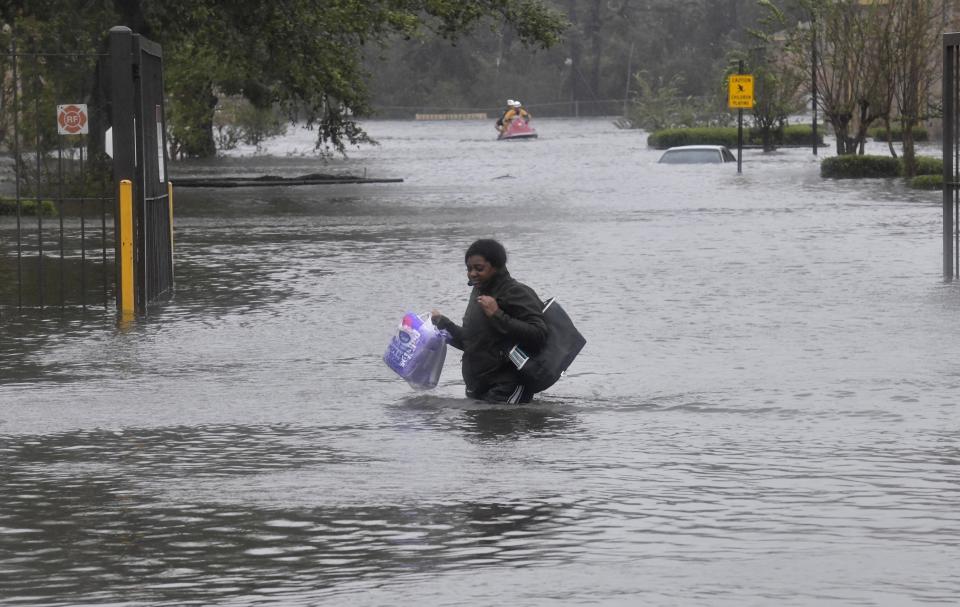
127	303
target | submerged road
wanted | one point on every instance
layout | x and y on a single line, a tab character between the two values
765	412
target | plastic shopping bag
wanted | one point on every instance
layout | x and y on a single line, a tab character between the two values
417	351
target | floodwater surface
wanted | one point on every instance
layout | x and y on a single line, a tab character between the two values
765	412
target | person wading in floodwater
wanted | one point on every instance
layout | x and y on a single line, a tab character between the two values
501	313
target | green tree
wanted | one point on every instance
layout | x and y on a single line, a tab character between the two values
593	68
656	105
871	57
917	27
660	105
778	84
304	56
43	81
776	95
837	36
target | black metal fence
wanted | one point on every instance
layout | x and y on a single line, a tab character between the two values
539	109
62	116
56	196
951	156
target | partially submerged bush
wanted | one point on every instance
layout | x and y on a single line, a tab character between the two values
799	134
839	167
8	206
926	182
853	166
879	133
928	165
714	135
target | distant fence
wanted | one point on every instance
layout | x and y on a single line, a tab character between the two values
452	116
548	109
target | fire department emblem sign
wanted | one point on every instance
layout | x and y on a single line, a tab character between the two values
72	119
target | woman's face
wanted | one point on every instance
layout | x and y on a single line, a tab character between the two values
479	270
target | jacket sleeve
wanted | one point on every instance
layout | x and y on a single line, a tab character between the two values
520	317
455	331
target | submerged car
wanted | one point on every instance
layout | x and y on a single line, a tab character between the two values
698	154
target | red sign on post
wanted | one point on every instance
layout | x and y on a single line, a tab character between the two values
72	119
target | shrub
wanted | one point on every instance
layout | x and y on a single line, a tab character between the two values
799	134
668	138
8	206
853	166
879	166
879	133
926	182
928	165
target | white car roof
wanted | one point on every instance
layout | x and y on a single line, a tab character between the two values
697	147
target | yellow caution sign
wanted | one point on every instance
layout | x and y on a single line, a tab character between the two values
741	91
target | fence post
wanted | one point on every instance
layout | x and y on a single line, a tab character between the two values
949	134
123	124
170	206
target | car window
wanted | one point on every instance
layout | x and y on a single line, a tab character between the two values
691	156
728	156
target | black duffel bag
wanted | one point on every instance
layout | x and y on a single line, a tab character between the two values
564	342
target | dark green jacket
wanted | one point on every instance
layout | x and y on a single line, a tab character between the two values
486	341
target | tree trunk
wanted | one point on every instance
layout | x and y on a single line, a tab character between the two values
909	155
206	147
841	127
574	58
886	124
596	47
195	108
863	125
767	139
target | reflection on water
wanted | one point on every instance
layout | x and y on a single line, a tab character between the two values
502	423
546	418
76	516
25	336
765	412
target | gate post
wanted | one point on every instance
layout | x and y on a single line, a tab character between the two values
139	148
949	59
123	122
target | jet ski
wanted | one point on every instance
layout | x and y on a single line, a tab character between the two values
518	128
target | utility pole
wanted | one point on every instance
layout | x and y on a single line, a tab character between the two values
626	94
813	76
740	129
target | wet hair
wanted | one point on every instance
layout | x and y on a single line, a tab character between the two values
489	249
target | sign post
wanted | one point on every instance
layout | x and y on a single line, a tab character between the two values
740	97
